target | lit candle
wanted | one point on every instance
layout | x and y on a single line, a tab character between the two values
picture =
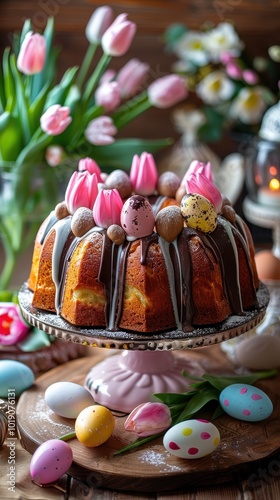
270	195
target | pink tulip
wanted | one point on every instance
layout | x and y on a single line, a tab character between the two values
89	165
143	174
54	155
118	37
12	327
131	77
199	184
107	208
226	57
198	167
250	77
167	91
98	23
108	95
32	54
148	419
81	191
55	120
108	76
100	131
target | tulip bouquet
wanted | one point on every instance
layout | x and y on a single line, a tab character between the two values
226	86
46	127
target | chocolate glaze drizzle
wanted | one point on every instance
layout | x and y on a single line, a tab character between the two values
177	258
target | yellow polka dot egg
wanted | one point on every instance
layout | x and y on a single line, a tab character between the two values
192	439
94	425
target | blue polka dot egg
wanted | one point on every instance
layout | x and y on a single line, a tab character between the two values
245	402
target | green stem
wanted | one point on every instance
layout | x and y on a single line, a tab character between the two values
8	269
85	65
138	443
93	80
131	112
67	437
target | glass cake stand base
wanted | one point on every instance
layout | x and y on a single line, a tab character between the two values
147	364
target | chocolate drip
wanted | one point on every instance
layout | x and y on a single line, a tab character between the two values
187	311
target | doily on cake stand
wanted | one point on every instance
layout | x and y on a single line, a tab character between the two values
147	364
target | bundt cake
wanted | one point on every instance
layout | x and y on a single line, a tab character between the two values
141	253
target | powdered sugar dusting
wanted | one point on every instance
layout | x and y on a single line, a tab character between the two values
46	417
152	457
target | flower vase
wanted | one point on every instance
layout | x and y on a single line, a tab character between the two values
188	147
27	195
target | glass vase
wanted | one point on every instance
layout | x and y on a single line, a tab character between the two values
27	195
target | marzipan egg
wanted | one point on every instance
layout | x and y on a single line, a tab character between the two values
199	213
15	377
50	461
245	402
68	399
94	425
192	439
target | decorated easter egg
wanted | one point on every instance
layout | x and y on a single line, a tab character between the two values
137	218
192	439
67	399
245	402
198	213
50	461
15	377
94	425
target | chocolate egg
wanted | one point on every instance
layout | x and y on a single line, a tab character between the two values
168	183
137	218
116	234
169	223
198	213
192	439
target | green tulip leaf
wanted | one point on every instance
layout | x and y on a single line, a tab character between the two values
11	141
59	93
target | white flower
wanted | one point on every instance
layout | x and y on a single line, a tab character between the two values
221	39
249	105
215	88
191	47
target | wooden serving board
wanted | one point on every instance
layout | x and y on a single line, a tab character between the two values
244	446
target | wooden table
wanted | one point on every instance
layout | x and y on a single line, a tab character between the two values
260	482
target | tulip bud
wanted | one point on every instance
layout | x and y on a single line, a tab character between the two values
199	184
131	77
55	120
118	37
89	165
81	191
167	91
98	23
107	208
100	131
198	167
108	95
32	54
148	419
233	70
143	174
12	327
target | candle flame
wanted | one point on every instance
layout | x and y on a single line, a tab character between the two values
274	185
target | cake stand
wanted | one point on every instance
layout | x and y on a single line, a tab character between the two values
147	364
268	217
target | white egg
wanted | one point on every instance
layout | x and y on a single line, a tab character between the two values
192	439
259	352
68	399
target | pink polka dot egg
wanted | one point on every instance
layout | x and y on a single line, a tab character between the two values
192	439
245	402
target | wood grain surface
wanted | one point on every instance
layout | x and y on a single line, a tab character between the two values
244	446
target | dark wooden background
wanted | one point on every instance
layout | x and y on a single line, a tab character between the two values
257	22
